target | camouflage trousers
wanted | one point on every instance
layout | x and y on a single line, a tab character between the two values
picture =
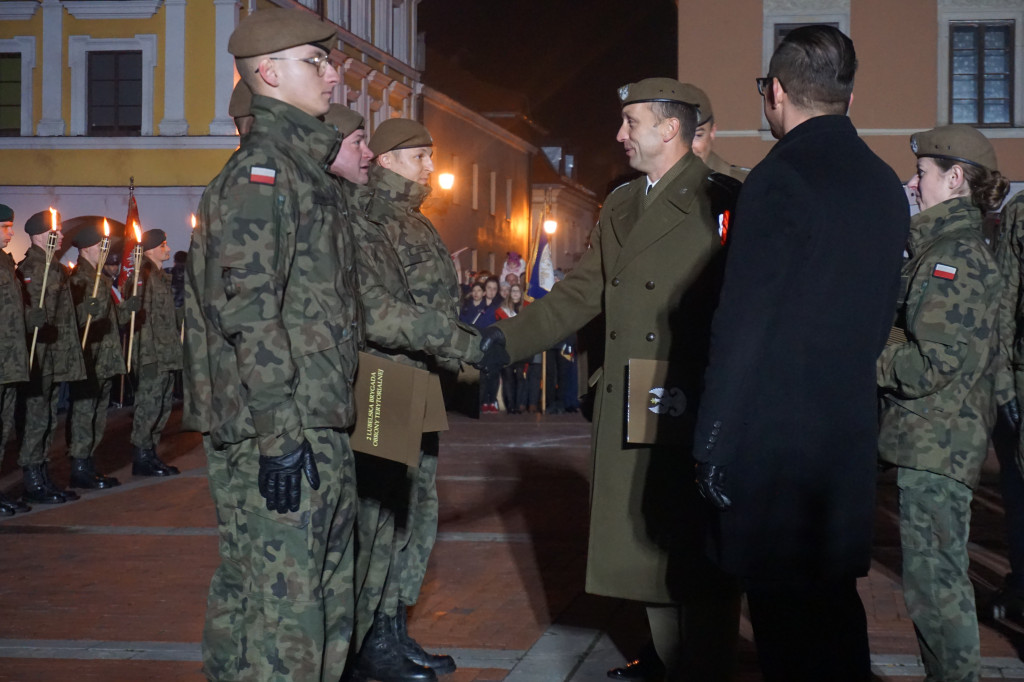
281	601
40	395
935	520
154	398
8	406
87	418
397	528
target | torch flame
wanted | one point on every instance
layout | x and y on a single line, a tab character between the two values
138	232
53	219
193	221
106	228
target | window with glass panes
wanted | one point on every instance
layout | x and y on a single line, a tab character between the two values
115	93
981	73
10	94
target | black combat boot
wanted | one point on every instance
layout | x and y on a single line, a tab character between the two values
38	487
381	657
18	505
68	495
146	463
442	664
84	475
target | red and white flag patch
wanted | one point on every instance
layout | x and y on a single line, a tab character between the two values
264	176
944	271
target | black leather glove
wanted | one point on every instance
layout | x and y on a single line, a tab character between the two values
132	305
1010	413
279	478
492	343
710	479
94	306
35	317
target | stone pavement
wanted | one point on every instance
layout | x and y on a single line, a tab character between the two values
113	587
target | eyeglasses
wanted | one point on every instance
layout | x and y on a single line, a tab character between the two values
763	84
320	62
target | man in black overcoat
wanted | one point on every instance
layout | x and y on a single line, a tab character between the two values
787	430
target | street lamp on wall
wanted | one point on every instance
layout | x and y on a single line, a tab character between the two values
446	181
550	225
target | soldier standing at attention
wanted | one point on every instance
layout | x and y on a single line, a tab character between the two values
14	360
58	358
156	356
654	269
938	386
272	334
104	360
410	293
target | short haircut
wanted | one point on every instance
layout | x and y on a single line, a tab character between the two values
815	66
686	114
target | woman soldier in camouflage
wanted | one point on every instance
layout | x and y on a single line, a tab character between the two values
938	388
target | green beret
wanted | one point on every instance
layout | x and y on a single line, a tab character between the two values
957	142
86	236
657	90
152	239
344	119
399	133
241	101
6	214
697	97
277	28
40	222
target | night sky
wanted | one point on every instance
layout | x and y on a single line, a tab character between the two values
568	57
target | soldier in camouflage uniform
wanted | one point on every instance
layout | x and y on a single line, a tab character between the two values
938	385
272	333
104	360
14	359
1007	438
156	355
410	293
58	358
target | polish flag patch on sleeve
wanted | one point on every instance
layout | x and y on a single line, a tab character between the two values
944	271
263	176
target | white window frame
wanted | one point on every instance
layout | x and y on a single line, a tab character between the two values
79	48
26	46
1013	11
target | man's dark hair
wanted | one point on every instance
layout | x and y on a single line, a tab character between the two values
180	256
815	66
685	113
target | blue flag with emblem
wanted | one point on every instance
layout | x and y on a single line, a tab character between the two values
541	269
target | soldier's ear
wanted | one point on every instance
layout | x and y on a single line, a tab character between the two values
267	71
385	160
669	128
956	177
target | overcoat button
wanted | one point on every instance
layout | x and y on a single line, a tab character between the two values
615	282
650	285
609	388
650	336
612	335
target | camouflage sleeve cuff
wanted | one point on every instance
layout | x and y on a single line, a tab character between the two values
466	343
279	430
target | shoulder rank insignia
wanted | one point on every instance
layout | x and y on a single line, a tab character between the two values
263	176
944	271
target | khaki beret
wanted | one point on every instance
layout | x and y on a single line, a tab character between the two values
344	119
86	236
241	101
694	95
152	239
40	222
399	133
6	214
957	142
277	28
658	90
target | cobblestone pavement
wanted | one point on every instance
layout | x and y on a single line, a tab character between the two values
113	587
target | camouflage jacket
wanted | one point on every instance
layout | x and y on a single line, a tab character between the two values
1010	255
938	406
157	330
272	316
407	280
104	356
14	358
58	347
